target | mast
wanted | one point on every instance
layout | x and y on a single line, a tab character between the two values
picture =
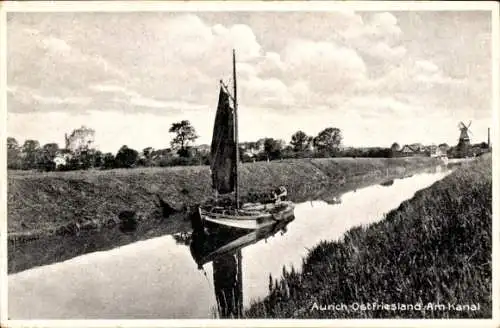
236	189
489	138
239	258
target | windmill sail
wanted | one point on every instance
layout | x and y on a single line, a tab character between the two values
223	148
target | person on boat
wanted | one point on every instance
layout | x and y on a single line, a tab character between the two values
280	194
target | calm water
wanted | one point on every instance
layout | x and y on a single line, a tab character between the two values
158	278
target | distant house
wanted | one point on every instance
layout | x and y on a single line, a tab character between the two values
407	150
63	156
252	149
163	153
432	150
203	149
417	147
441	151
60	161
260	145
250	152
413	149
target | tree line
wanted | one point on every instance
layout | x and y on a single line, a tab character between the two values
327	143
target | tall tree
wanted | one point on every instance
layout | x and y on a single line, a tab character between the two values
272	148
148	153
328	140
51	149
108	161
13	158
444	146
126	157
184	134
46	155
395	147
12	143
300	141
98	159
30	146
31	152
86	157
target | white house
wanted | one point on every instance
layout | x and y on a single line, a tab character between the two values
60	160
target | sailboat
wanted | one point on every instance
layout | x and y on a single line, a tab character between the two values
224	170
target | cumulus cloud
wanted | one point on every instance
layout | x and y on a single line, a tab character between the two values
56	45
374	107
384	25
325	65
383	50
427	66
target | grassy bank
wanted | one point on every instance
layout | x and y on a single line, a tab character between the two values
43	202
435	248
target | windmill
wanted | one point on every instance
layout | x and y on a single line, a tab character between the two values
464	140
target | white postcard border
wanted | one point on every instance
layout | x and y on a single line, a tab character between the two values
185	6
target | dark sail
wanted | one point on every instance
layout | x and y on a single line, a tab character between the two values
223	149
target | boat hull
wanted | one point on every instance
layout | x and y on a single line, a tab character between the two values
249	217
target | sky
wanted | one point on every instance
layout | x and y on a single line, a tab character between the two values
381	77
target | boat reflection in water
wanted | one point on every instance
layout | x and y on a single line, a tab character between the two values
223	249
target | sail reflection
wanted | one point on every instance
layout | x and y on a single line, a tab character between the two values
223	249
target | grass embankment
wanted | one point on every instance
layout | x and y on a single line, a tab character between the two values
42	203
434	248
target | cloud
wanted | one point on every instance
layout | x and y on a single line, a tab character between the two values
384	25
126	96
163	62
11	89
56	45
167	105
148	102
240	37
60	101
52	67
373	105
264	92
414	76
27	95
426	65
384	51
120	92
108	88
326	66
32	31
